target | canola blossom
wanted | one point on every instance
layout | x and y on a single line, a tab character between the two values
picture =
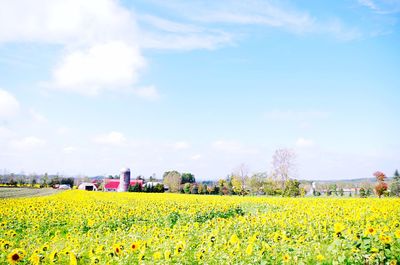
79	227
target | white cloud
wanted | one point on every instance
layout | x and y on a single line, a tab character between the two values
107	66
5	132
9	106
302	142
181	145
37	117
196	157
64	22
112	138
69	149
28	143
148	92
63	130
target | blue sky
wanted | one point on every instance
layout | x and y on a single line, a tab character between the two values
88	87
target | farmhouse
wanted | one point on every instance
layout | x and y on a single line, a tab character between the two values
113	184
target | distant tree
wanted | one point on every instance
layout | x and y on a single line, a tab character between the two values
33	182
269	187
188	178
239	178
12	182
159	188
194	189
396	175
135	188
292	188
67	181
283	165
362	193
332	189
381	187
173	180
237	186
54	181
395	186
201	188
186	188
152	178
256	182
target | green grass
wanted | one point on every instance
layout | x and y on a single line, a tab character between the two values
25	192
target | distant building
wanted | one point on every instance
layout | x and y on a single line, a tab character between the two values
113	184
87	186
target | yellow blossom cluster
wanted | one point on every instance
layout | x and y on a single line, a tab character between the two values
79	227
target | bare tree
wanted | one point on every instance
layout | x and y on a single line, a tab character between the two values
240	177
172	179
283	165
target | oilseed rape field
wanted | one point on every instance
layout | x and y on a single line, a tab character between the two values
79	227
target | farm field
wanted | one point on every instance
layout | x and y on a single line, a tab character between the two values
25	192
78	227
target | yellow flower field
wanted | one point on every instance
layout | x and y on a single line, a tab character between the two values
78	227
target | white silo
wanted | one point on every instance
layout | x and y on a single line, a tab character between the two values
124	180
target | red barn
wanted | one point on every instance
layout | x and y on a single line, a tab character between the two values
113	184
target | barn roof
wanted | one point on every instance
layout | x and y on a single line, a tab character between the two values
113	184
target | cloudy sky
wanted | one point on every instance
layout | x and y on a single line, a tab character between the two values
88	87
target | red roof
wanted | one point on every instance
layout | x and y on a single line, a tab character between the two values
113	184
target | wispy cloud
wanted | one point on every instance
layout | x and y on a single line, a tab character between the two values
28	143
271	14
37	117
381	6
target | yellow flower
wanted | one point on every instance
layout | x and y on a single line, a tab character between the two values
234	239
249	250
370	231
53	257
157	255
141	256
72	259
179	248
167	255
397	233
6	245
135	246
286	258
15	256
339	227
90	222
95	260
320	257
35	259
117	249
